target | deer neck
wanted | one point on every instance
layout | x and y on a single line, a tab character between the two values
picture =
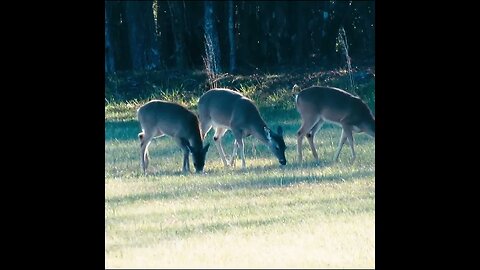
195	139
258	131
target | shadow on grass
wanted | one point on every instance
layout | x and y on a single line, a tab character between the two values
309	164
264	182
255	182
176	228
148	197
170	233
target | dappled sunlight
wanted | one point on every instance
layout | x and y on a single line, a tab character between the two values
310	243
318	212
313	214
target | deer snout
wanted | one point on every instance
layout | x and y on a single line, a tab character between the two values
282	161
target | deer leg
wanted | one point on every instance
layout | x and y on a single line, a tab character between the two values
311	136
217	137
186	161
145	140
241	145
343	138
350	140
205	127
242	153
238	134
307	125
234	154
186	154
299	146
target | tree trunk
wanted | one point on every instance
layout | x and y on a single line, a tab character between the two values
212	48
231	36
165	35
333	25
109	53
279	31
135	34
298	42
178	29
152	52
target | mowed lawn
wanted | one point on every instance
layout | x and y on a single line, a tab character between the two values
300	216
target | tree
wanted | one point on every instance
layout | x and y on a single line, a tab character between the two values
235	35
212	48
141	34
231	37
109	55
300	32
336	11
178	31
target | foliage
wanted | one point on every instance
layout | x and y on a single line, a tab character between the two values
267	88
156	35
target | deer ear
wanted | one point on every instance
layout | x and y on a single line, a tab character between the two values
205	149
267	132
280	131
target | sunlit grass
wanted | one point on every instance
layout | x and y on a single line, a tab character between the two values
299	216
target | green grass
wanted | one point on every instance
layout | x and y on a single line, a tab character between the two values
300	216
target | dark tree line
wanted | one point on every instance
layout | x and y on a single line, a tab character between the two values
235	35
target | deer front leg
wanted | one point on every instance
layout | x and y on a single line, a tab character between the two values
186	154
343	138
351	141
186	161
234	154
239	144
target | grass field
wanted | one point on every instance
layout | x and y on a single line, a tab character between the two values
300	216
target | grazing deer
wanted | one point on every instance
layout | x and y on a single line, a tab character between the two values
225	109
319	104
159	118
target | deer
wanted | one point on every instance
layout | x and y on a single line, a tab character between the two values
225	109
318	104
159	118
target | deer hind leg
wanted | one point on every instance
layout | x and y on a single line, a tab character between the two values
217	137
343	138
311	135
205	127
145	140
307	124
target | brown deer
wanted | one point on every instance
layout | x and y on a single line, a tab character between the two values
225	109
158	118
318	104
